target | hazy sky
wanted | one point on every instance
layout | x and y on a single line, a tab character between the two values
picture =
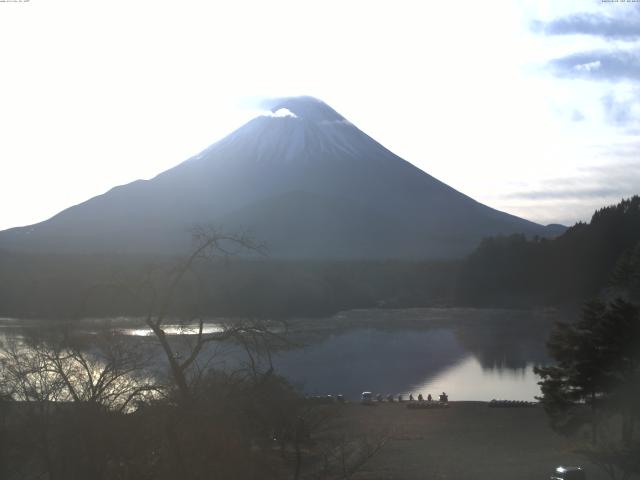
528	106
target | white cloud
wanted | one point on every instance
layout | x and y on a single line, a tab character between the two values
280	113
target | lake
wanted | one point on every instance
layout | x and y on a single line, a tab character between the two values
472	354
402	363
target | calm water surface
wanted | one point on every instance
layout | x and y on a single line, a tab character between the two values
405	362
470	354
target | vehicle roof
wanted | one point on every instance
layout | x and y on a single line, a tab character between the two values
562	469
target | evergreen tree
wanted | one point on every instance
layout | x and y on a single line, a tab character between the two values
626	273
595	381
577	378
577	265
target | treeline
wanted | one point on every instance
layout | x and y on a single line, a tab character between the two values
505	271
60	286
579	264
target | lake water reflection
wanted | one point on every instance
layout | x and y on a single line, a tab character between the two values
403	362
468	380
470	354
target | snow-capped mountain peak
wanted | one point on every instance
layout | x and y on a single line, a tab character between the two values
303	179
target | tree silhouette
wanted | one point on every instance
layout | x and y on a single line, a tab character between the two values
577	265
596	381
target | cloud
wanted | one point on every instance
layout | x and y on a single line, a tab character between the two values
606	182
577	116
269	103
576	193
617	27
619	62
587	67
280	113
617	112
599	65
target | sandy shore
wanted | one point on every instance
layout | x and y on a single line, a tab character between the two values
467	441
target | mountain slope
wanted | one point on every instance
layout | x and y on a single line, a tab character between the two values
305	180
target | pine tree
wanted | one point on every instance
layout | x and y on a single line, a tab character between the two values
595	381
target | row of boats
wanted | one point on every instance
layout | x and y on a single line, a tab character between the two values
367	398
511	404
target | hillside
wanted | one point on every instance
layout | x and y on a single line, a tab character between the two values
588	259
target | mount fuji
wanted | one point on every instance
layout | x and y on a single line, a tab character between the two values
304	180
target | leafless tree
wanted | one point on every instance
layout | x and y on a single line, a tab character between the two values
344	456
158	291
108	372
63	394
318	445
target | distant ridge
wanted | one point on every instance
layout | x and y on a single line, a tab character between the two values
305	180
